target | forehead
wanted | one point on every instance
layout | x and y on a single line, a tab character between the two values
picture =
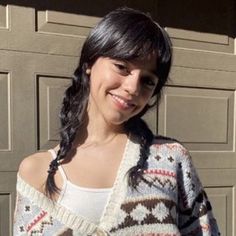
148	62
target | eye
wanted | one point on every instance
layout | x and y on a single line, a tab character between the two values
149	81
122	68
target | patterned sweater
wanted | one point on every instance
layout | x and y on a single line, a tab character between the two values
169	201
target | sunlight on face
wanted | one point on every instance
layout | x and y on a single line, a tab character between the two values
120	89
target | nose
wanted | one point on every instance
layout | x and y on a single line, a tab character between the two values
131	84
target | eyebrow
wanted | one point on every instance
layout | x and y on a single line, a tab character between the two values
153	73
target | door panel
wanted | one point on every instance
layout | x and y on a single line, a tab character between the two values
204	117
50	93
5	138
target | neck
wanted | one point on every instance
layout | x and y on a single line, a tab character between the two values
96	131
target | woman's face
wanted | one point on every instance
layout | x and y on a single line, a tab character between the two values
120	89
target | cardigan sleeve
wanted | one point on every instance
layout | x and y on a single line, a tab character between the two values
19	226
27	216
195	215
30	219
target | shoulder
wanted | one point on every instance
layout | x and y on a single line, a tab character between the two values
173	155
170	147
168	143
33	169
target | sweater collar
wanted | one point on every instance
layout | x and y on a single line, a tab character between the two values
77	222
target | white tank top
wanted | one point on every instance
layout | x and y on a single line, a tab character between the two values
87	202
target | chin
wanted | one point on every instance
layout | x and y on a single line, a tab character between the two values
116	120
119	118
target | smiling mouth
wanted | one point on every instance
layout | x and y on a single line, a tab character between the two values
122	103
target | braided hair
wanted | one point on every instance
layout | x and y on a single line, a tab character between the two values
139	128
123	34
71	116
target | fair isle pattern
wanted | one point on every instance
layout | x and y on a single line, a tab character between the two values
169	201
145	212
37	227
160	178
173	198
39	222
203	228
37	219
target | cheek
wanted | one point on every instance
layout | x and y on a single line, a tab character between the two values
106	80
146	96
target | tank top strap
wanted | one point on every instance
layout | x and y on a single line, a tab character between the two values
60	168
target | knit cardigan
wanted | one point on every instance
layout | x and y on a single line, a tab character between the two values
169	201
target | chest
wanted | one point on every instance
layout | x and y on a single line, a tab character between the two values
95	167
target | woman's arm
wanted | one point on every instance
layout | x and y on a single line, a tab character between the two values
33	171
195	215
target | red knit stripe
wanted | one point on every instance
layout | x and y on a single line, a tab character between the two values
36	220
160	172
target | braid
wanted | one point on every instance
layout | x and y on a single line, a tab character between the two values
139	128
71	116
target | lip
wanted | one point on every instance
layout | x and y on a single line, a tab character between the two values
122	102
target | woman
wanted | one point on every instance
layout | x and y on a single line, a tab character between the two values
110	175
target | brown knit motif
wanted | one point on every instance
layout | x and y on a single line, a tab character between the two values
145	212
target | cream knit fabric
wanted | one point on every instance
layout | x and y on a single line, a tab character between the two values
170	201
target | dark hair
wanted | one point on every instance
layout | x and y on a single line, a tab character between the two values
124	34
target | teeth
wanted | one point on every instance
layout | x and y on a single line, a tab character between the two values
121	101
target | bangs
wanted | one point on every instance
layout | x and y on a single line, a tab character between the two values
131	41
130	52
